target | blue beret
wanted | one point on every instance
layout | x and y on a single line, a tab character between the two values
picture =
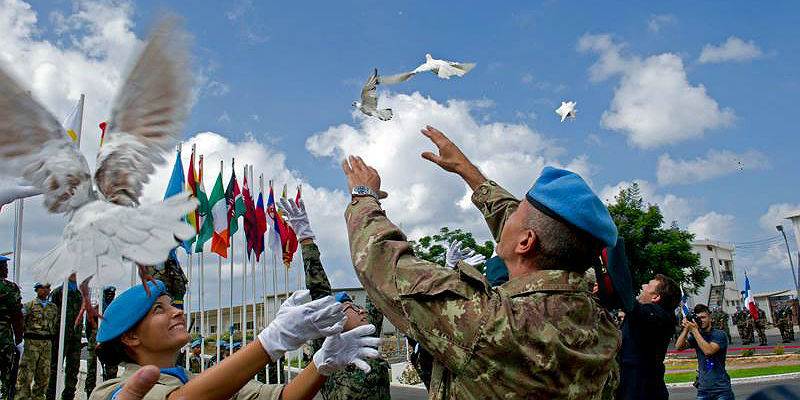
4	258
496	271
37	285
565	196
341	297
196	343
237	345
127	310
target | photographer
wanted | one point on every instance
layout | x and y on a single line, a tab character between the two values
711	346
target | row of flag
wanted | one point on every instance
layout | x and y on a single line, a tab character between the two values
217	216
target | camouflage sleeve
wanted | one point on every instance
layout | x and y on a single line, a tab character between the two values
375	317
316	278
496	204
440	307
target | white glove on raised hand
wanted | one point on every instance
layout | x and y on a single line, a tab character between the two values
21	348
351	347
298	218
299	321
455	254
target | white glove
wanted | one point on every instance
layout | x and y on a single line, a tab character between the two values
299	321
21	348
455	254
298	218
351	347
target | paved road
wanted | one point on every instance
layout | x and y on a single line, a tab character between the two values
742	391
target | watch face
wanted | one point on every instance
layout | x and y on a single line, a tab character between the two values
360	190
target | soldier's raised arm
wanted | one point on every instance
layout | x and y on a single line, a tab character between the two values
316	279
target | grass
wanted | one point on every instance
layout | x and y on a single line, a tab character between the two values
737	373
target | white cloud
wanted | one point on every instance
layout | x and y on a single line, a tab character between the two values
713	226
776	215
765	257
422	196
657	22
715	163
216	88
654	104
673	208
734	49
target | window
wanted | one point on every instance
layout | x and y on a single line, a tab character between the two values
212	329
237	326
249	325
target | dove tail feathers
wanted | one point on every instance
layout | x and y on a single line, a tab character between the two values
54	266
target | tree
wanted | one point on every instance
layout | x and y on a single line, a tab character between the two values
651	248
434	248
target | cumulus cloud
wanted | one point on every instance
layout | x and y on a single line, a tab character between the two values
765	257
656	22
776	215
713	226
734	49
654	103
673	208
422	196
715	163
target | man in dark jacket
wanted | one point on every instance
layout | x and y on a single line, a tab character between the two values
646	333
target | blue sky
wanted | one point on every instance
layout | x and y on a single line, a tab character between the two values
279	74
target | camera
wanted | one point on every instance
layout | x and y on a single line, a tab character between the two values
691	317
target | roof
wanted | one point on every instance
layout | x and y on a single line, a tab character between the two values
773	293
713	243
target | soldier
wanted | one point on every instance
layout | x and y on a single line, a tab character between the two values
10	330
749	327
72	341
196	359
784	322
719	320
41	324
350	382
171	273
109	371
539	335
761	326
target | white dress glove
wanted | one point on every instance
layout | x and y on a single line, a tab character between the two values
298	218
299	321
455	254
21	348
351	347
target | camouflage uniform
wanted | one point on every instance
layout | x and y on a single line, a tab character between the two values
72	347
171	273
784	322
10	305
719	320
537	336
749	325
41	324
351	382
761	326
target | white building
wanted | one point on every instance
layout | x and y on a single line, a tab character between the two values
721	288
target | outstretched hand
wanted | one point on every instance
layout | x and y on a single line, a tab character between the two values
451	158
358	173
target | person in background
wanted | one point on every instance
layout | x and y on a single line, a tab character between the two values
72	341
41	324
711	346
11	330
109	371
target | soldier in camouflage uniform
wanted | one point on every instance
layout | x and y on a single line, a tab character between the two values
171	273
761	326
784	322
540	335
739	319
72	341
109	371
350	382
10	329
41	324
749	327
719	320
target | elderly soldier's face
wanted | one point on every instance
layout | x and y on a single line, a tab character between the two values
43	292
162	330
649	293
517	238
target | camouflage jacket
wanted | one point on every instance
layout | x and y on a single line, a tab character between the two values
10	303
351	382
39	319
538	336
173	277
74	299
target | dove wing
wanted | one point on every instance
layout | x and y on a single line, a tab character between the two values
369	95
395	79
34	146
147	116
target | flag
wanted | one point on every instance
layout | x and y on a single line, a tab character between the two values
205	219
749	302
235	202
297	197
250	231
176	186
191	185
103	126
288	237
74	122
219	214
274	236
261	226
684	299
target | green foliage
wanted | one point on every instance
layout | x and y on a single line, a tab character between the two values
434	248
748	352
651	248
779	350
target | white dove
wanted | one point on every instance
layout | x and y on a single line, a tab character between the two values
106	226
369	100
443	69
567	110
15	188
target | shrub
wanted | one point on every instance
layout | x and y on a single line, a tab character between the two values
779	350
748	352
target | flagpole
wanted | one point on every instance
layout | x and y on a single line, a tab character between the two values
189	298
263	266
253	271
202	312
62	330
19	205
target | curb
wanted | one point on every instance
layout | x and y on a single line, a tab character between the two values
741	381
417	386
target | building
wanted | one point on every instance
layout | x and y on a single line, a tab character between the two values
721	288
770	301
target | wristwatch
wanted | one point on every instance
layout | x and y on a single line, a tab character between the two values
362	190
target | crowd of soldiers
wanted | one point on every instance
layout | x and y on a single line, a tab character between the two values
748	326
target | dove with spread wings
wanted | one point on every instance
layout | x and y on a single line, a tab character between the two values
443	69
106	226
369	100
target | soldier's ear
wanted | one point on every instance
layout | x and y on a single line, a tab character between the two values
526	242
130	339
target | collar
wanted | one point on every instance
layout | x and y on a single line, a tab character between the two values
44	302
552	280
167	377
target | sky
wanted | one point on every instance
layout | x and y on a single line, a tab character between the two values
691	100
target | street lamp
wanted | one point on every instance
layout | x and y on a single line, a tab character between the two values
789	253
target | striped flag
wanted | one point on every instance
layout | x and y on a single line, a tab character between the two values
191	185
205	219
176	186
219	214
749	301
235	202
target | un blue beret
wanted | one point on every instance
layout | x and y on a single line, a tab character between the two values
196	343
565	196
341	297
496	271
127	310
4	258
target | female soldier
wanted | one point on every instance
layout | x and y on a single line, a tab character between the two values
139	330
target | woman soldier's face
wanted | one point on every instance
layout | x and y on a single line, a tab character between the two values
163	328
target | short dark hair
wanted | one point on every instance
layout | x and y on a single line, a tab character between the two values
701	308
113	352
562	246
669	291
